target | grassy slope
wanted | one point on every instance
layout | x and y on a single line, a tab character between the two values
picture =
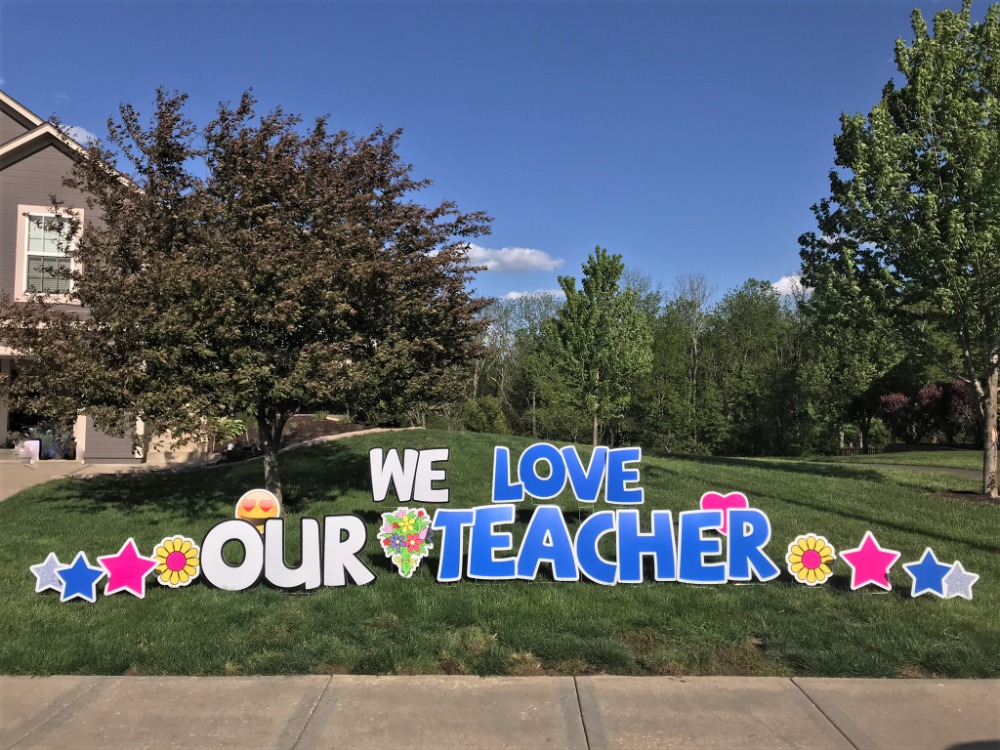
950	459
421	626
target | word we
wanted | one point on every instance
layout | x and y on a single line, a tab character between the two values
413	476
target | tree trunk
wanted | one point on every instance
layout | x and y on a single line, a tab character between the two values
270	427
595	426
694	396
864	429
990	488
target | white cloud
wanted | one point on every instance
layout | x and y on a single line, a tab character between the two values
787	286
512	259
63	96
79	134
537	293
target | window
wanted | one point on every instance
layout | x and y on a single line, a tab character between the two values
42	262
46	258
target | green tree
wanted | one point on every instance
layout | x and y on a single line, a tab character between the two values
753	353
600	338
915	203
513	322
549	407
660	410
267	268
850	351
689	309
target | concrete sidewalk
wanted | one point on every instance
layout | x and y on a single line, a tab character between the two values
465	713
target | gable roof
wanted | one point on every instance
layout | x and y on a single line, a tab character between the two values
41	133
19	112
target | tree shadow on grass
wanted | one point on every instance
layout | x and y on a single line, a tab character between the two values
872	473
839	472
876	522
380	564
835	471
660	473
823	470
841	582
192	496
325	473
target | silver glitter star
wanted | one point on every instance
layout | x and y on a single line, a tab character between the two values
959	582
45	574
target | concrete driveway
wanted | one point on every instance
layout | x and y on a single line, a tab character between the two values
16	476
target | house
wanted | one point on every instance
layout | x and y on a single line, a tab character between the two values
34	158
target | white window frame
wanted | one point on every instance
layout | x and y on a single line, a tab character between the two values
25	215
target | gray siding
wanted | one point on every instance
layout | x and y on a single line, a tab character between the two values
102	448
10	128
30	181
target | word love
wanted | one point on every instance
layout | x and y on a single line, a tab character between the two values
607	467
689	556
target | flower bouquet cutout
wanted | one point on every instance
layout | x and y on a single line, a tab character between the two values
404	538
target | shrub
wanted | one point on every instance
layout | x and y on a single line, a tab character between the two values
486	415
56	440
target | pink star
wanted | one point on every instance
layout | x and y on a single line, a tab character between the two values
870	563
127	570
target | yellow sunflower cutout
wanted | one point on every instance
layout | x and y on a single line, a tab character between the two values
810	559
177	562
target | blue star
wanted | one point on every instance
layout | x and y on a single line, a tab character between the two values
80	579
927	574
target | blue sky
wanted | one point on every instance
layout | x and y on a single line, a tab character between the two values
690	137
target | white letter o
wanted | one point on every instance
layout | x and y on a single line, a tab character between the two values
221	574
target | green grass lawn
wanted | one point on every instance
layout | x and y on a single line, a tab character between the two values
420	626
947	459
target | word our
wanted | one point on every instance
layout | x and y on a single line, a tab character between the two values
329	563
